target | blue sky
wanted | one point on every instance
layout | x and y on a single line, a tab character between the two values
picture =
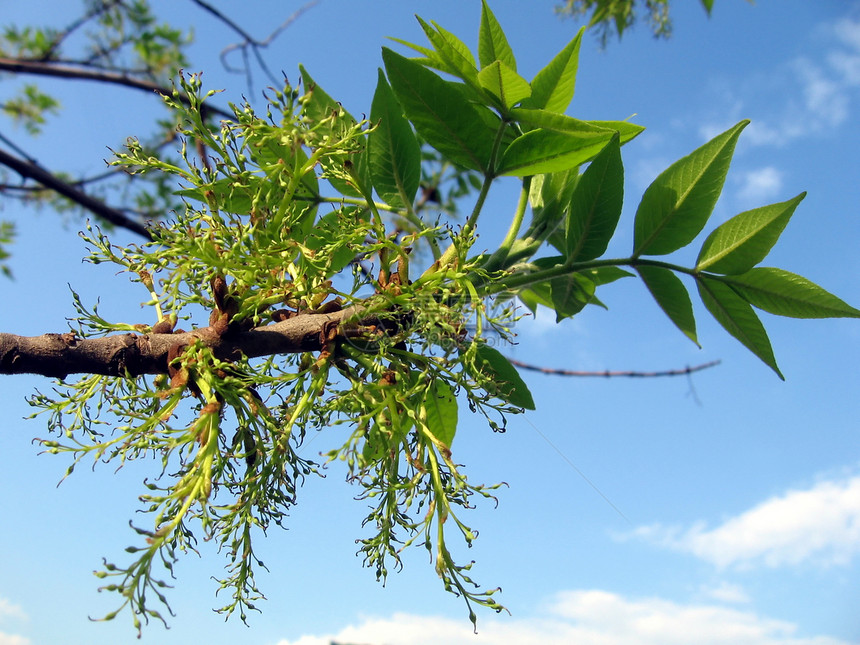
733	512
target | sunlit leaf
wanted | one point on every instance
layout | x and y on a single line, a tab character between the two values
546	151
738	318
672	296
442	115
787	294
395	155
492	42
744	241
503	83
511	387
677	205
553	87
440	404
457	58
595	205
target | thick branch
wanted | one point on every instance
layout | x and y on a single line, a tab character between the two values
58	355
57	70
30	170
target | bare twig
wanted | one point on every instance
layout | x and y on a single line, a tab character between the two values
609	373
30	170
248	41
72	71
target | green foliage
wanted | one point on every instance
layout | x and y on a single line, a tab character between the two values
284	222
608	16
7	234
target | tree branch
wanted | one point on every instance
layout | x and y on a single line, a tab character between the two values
608	373
59	70
30	170
131	355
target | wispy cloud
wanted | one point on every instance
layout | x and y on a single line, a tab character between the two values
817	93
760	184
820	524
726	592
584	617
9	610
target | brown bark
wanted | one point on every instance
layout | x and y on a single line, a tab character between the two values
58	355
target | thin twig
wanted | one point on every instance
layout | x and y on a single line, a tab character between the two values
60	70
248	41
610	373
35	172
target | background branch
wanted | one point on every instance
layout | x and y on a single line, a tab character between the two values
30	170
59	70
610	373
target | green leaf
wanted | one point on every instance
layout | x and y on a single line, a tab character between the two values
626	130
559	122
453	53
440	405
787	294
549	196
677	205
738	318
537	294
492	42
394	152
319	107
553	87
226	194
605	275
544	151
744	241
596	205
570	294
441	113
504	84
671	294
510	385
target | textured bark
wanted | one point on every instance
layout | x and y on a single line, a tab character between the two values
58	355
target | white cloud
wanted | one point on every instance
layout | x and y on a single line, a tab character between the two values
816	93
759	184
12	639
584	617
726	592
820	524
8	609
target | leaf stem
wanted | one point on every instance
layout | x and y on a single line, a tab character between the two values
520	280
